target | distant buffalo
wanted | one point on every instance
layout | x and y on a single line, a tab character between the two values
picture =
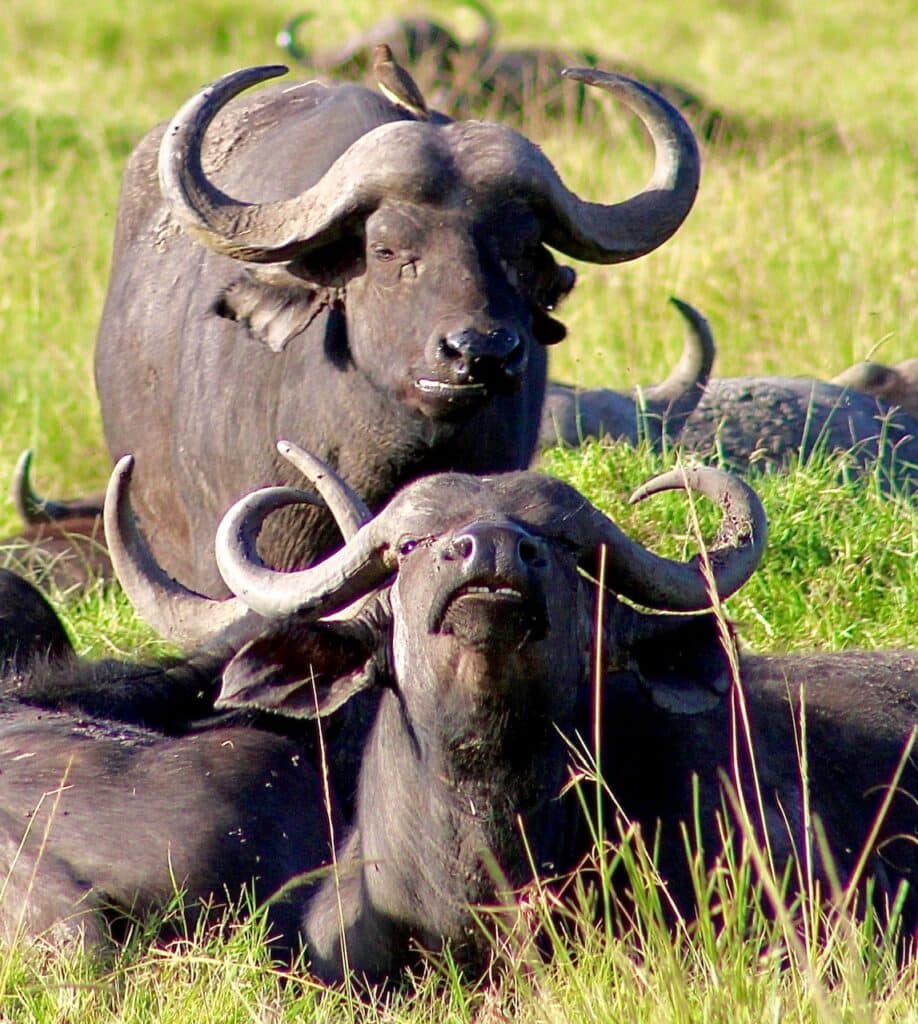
745	423
895	385
478	78
466	617
62	544
378	287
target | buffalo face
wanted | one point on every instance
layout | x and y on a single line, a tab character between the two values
478	613
457	305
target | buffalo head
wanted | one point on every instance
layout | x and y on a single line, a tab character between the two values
322	266
438	234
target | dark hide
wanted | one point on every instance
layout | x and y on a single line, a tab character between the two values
120	789
129	818
859	708
483	675
29	628
203	361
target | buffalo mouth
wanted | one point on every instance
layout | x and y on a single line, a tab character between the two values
452	392
476	381
485	613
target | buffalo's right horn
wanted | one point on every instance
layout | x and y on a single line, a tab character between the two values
178	614
349	574
349	510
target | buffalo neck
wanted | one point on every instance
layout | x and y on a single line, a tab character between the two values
443	811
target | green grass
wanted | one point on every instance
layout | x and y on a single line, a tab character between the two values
800	251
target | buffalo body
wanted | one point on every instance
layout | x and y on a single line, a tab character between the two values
476	663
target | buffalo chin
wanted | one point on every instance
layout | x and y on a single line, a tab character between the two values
485	618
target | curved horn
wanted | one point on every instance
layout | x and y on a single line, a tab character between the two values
487	33
344	577
412	159
626	230
663	583
675	398
33	509
179	615
389	160
349	510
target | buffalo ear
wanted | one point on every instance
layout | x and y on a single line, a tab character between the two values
272	313
302	670
680	660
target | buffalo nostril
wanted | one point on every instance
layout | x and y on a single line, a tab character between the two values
464	547
452	346
529	550
504	343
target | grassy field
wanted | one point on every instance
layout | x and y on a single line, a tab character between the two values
801	252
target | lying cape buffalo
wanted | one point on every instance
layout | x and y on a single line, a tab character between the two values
381	290
477	656
744	422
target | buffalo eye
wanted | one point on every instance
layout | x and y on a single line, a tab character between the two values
406	546
383	252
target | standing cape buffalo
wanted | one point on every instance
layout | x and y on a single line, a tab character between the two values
481	650
380	291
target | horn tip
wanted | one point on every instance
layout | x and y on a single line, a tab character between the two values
673	479
20	487
21	471
595	76
118	483
124	467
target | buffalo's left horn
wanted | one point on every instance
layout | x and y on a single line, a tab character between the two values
624	231
178	614
666	584
402	158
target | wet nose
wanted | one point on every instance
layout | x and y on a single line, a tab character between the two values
478	357
486	547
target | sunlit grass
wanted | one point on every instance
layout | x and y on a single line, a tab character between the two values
800	251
